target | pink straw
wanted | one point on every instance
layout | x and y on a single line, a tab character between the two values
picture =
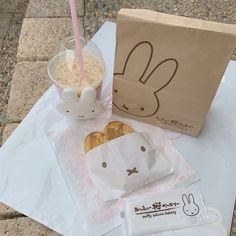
77	36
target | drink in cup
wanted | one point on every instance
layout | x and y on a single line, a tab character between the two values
64	69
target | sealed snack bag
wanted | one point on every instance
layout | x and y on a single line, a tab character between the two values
121	160
165	211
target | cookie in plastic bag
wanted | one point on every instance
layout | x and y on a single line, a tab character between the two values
121	160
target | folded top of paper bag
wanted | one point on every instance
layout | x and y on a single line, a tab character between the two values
181	21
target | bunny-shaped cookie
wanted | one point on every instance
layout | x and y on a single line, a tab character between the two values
134	90
84	107
190	208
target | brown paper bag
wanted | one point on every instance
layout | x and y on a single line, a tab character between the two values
168	68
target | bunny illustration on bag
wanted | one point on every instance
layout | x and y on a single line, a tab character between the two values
84	107
121	160
136	88
190	208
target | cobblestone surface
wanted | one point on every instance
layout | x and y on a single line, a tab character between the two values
8	130
4	23
30	81
39	37
49	8
8	48
4	209
24	226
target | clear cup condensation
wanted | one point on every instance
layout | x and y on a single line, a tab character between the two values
64	69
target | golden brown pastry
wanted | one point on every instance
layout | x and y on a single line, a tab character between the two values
112	130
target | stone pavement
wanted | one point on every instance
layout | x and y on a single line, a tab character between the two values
11	16
45	23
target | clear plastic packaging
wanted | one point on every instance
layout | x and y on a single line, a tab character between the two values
100	217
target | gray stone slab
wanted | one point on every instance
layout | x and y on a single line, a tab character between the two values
8	130
39	37
24	226
13	5
52	8
234	55
4	208
8	6
1	131
1	43
4	23
30	81
8	213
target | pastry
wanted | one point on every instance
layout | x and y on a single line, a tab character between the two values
112	130
93	140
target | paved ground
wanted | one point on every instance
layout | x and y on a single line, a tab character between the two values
23	77
11	17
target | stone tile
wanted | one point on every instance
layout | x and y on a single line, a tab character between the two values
92	24
24	226
234	55
4	208
8	130
52	8
39	37
1	42
8	213
1	131
4	23
13	5
8	6
29	83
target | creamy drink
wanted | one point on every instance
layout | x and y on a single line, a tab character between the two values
65	72
68	74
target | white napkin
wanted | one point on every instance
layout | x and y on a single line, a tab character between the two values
32	183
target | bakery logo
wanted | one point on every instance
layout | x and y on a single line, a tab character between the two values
174	123
157	209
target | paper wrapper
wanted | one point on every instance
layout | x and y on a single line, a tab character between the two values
99	216
125	164
165	211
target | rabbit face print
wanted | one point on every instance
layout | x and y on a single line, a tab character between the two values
190	208
85	107
125	168
143	81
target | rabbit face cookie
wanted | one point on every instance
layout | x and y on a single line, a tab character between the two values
136	87
121	160
84	107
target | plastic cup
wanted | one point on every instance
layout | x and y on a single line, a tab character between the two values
63	68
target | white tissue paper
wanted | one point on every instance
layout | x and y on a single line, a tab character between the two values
100	217
125	164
